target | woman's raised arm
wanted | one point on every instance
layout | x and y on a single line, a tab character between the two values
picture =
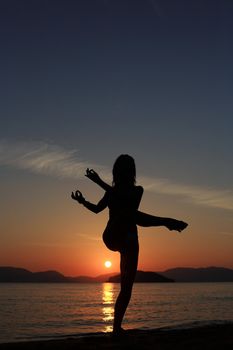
93	176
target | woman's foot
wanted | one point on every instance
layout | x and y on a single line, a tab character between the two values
118	331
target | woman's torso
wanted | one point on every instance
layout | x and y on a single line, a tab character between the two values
123	204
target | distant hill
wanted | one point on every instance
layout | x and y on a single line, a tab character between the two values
208	274
15	274
88	279
144	276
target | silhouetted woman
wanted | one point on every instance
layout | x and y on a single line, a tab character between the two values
123	199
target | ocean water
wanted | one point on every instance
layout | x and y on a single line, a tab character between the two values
42	311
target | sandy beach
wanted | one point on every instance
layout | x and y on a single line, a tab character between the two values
203	337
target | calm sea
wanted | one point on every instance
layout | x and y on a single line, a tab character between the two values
40	311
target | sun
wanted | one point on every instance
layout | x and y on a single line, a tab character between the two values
108	264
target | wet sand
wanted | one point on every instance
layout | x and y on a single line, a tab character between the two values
209	337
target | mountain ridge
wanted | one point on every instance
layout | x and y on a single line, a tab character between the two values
201	274
10	274
144	277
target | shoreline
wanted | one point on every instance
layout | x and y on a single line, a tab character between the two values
209	336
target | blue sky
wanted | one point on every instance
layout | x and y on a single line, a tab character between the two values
84	81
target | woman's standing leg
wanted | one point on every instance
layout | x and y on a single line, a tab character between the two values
128	266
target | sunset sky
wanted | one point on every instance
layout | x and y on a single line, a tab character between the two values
84	81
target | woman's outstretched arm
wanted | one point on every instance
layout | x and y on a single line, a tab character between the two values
95	208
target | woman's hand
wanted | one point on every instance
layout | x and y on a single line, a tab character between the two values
77	196
92	175
173	224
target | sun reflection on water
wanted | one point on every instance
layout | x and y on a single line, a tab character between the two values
108	308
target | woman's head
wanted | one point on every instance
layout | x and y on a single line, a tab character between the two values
124	171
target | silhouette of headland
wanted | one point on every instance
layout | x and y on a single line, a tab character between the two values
210	274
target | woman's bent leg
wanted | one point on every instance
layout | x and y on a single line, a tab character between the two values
128	265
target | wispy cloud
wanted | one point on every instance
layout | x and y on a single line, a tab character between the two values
43	158
53	160
210	197
61	243
88	237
